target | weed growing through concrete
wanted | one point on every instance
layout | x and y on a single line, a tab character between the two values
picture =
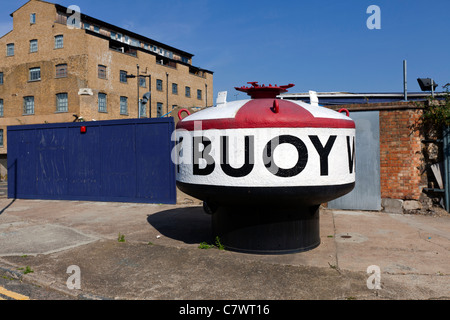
205	246
121	238
334	267
26	270
218	245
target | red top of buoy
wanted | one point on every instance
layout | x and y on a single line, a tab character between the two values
264	92
264	110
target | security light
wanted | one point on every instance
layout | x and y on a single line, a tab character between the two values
146	97
427	84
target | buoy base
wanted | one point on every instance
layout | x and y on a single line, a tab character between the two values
267	229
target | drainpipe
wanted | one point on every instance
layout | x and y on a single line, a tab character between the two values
206	95
138	97
167	91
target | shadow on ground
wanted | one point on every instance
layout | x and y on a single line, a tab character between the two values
9	205
190	225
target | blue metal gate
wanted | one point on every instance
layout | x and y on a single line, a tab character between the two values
113	161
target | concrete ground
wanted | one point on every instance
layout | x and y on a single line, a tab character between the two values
161	260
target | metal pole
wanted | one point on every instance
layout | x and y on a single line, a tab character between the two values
432	88
206	95
138	97
405	79
447	167
167	91
150	89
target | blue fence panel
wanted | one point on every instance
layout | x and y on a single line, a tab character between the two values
119	160
118	150
83	154
51	176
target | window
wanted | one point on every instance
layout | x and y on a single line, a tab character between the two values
28	105
113	35
188	92
59	42
61	71
33	18
10	49
159	109
159	85
1	108
101	71
142	82
123	76
1	138
119	37
135	43
102	102
35	74
87	26
62	102
143	110
199	94
96	29
124	105
33	46
1	77
174	88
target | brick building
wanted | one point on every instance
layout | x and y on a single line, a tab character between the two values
56	64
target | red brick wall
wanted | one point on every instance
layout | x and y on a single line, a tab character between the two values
400	155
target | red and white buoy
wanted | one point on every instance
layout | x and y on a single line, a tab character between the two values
264	166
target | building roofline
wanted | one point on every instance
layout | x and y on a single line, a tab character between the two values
90	32
5	34
111	26
27	3
125	31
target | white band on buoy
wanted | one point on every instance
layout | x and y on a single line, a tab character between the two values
266	157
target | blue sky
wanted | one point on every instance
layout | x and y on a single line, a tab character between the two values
321	45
